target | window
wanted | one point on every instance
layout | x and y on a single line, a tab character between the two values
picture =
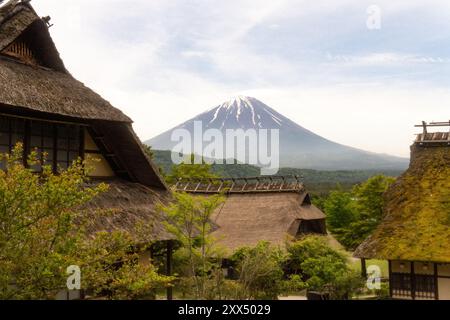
60	143
404	285
68	145
41	140
400	284
12	131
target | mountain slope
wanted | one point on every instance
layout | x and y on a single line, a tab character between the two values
299	147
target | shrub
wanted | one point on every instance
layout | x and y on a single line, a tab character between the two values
322	268
260	271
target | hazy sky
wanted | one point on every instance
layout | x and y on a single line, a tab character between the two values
164	61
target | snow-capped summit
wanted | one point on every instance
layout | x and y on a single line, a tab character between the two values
242	112
299	147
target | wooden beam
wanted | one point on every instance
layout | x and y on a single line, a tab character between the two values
363	268
43	119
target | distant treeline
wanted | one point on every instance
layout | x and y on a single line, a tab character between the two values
318	182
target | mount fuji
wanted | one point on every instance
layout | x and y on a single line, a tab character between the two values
299	147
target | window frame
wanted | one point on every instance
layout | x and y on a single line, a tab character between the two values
28	133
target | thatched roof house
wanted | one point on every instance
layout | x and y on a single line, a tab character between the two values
415	232
45	107
273	209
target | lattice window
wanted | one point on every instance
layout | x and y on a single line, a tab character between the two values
413	286
61	142
68	145
401	285
21	51
12	131
425	287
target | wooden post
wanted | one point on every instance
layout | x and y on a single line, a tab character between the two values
436	281
363	268
413	281
26	143
425	131
169	252
391	289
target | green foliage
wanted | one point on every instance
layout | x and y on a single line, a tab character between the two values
190	170
353	216
43	231
369	196
260	271
318	182
308	248
190	222
109	267
322	268
340	210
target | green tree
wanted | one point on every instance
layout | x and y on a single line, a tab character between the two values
43	230
353	216
260	271
370	201
340	209
190	222
190	170
322	268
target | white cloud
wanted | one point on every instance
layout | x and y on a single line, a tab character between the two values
384	59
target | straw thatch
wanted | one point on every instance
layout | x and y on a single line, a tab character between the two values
46	87
273	209
52	92
248	218
416	225
130	207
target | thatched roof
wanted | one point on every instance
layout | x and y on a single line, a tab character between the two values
128	206
47	90
46	87
248	218
52	92
257	208
416	225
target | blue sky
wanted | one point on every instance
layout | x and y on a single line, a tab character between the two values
164	61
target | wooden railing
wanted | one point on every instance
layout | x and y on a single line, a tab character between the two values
427	137
241	185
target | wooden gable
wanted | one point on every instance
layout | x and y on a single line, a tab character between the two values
21	50
25	37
